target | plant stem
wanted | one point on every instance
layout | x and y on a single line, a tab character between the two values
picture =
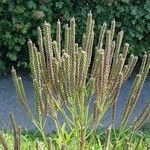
58	127
82	138
39	127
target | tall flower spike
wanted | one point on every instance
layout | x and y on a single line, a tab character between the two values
72	52
91	48
37	65
114	96
48	47
116	52
131	64
55	50
45	100
55	64
146	69
118	44
90	44
99	75
20	92
50	105
107	57
40	69
58	36
62	95
83	39
133	96
113	26
77	69
90	89
32	58
66	38
143	116
90	23
41	48
17	87
118	68
101	35
140	85
67	71
125	50
82	68
38	99
89	37
72	37
143	64
112	47
63	78
95	64
23	97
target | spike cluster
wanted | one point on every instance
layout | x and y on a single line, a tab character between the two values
66	76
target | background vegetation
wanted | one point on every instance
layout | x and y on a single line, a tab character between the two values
19	20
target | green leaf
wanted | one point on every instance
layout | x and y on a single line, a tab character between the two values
17	48
19	9
59	4
12	56
99	9
147	5
31	5
125	1
148	26
8	35
147	16
44	8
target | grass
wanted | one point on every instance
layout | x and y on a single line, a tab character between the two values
26	139
30	137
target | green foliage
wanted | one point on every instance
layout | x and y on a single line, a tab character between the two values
19	20
29	137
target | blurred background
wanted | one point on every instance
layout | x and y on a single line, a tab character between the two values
19	20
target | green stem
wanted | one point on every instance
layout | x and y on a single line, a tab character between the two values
82	138
58	128
39	127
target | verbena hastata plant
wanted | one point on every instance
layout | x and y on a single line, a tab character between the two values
65	78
